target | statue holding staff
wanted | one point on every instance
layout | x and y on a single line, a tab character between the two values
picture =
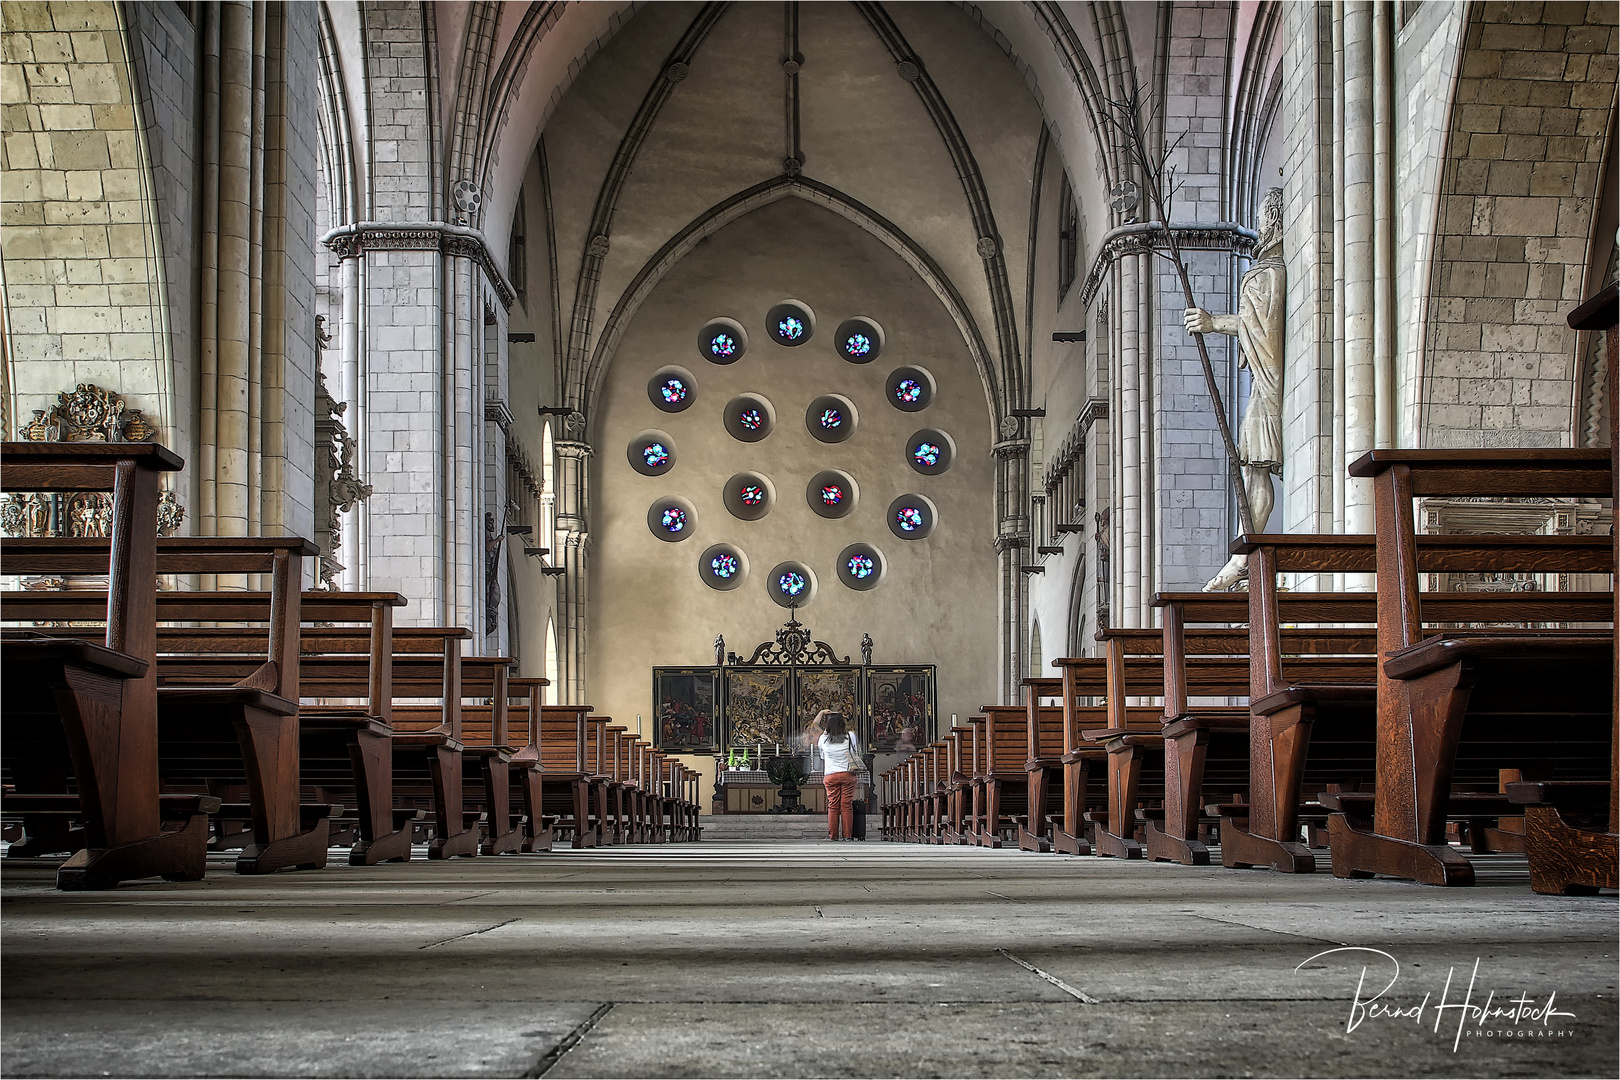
1258	327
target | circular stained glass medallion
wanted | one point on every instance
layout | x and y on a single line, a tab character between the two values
790	323
651	453
791	583
832	493
831	418
672	389
910	389
748	496
671	519
859	340
861	566
722	567
911	517
748	417
930	452
722	341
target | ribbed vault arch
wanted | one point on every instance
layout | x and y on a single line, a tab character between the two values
743	202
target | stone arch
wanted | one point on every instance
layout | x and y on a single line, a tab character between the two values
749	199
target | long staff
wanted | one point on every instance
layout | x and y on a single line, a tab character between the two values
1126	118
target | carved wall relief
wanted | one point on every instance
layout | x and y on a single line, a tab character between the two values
337	489
87	413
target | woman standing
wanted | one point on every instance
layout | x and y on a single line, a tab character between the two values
841	760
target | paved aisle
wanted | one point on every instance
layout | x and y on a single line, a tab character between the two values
795	959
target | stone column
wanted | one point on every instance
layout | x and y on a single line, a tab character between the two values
573	532
1131	447
1012	540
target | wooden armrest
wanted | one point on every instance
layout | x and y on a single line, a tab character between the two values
1434	653
26	651
1294	695
1564	794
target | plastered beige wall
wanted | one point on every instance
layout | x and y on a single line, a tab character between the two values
937	603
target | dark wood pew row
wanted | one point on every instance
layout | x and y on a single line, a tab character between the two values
1043	725
938	766
1571	838
75	706
1002	777
1172	765
564	734
1084	693
959	785
231	719
598	762
1458	701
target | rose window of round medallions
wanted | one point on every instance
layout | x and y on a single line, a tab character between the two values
751	494
860	566
674	519
655	455
909	518
792	584
725	566
832	494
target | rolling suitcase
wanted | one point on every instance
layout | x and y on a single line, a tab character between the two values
860	818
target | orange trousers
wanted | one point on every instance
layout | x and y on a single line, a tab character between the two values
840	805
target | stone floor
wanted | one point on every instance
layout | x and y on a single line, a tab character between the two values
800	958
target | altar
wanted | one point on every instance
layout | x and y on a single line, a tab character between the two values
765	704
750	791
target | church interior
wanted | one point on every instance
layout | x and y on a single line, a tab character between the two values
462	460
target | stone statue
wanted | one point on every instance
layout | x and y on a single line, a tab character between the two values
719	650
1258	326
866	649
493	539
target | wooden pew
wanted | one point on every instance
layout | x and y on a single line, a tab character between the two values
959	784
234	715
1572	844
1004	776
340	746
528	771
99	702
1428	687
1084	681
598	765
1327	686
564	731
1044	730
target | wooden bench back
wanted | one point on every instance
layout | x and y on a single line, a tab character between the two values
1006	738
564	730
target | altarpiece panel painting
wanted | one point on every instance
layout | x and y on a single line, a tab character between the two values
901	701
688	709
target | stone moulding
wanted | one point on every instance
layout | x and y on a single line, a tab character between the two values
351	241
1142	238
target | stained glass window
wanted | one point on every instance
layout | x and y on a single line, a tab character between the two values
751	494
831	419
861	566
674	519
674	391
790	328
792	583
752	419
926	453
832	494
723	345
655	455
725	566
909	518
908	391
857	344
